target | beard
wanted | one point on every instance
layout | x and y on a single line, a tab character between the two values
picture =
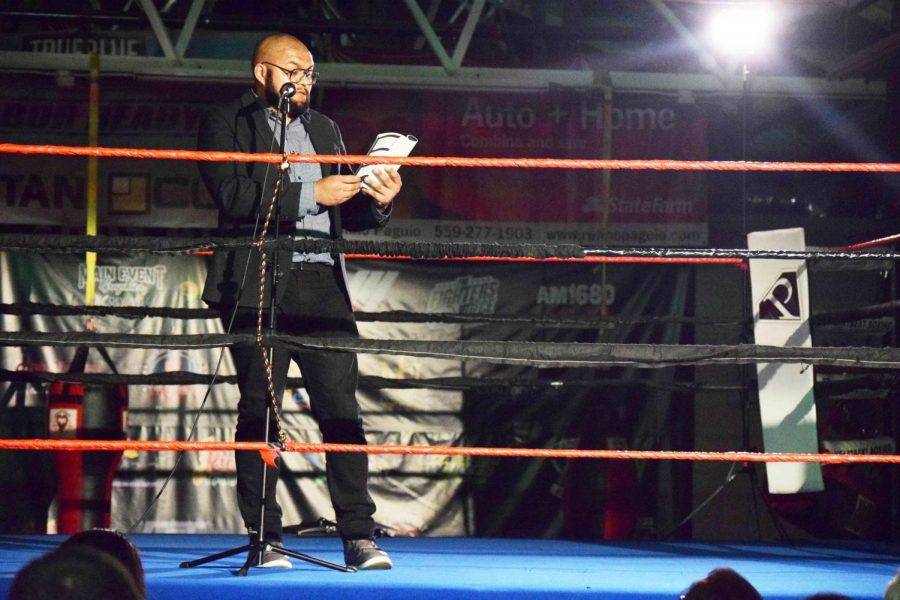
296	107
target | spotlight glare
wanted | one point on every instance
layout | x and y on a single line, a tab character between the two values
743	30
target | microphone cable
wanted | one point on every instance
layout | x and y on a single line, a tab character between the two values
287	90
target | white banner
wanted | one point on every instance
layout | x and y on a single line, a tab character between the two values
780	301
415	495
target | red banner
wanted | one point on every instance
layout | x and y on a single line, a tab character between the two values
490	203
476	204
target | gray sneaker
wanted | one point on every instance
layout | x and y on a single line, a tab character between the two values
272	559
365	555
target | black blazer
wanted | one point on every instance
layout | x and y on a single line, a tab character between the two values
238	189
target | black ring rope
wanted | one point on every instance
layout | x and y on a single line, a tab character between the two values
540	354
77	244
72	244
739	253
365	381
879	381
395	316
402	316
884	309
126	312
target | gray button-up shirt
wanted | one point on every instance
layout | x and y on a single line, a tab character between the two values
313	220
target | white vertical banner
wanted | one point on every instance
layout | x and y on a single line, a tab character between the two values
780	302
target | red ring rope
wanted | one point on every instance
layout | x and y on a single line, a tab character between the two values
291	446
587	259
885	241
431	161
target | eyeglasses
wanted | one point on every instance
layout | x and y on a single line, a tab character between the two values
297	75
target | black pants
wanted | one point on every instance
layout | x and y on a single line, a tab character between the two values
312	305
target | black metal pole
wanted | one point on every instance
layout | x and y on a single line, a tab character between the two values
261	534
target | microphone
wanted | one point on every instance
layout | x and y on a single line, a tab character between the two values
288	90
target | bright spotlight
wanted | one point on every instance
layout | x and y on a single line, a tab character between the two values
745	29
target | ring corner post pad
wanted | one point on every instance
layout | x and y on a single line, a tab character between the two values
780	296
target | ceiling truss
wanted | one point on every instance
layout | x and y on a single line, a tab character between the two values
451	75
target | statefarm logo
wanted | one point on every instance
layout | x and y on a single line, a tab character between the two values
465	295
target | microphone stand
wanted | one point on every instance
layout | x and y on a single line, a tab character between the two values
258	545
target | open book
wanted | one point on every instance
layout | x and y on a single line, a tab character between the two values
387	144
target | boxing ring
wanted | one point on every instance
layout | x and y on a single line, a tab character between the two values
463	567
496	568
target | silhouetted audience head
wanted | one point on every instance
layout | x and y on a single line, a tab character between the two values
893	588
828	596
77	573
722	584
115	544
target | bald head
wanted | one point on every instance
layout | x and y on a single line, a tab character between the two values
274	58
272	47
